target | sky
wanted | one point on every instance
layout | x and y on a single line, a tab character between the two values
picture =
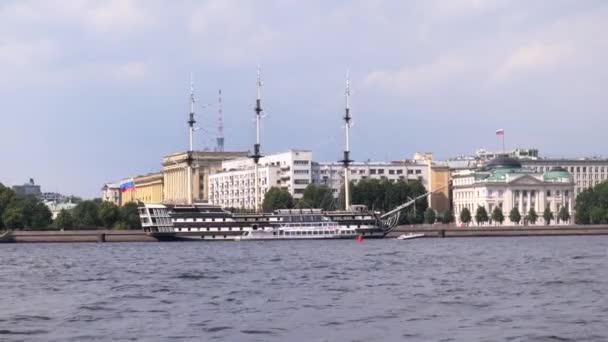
95	91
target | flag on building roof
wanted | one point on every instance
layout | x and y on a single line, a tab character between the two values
500	132
127	185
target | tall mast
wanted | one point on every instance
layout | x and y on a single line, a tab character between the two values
191	123
256	147
346	161
220	123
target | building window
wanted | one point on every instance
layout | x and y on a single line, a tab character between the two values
361	172
391	172
548	193
380	171
418	172
399	172
372	171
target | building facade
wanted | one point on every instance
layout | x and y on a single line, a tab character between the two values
148	189
204	163
234	185
332	173
505	184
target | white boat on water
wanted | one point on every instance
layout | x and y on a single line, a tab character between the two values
409	236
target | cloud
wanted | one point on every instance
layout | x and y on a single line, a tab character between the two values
416	79
531	59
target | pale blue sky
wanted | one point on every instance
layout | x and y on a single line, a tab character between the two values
93	91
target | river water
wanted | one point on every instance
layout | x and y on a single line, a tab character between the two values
461	289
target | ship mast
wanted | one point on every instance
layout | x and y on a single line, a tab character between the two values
346	161
191	123
256	147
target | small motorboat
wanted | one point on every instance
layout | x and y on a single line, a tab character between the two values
408	236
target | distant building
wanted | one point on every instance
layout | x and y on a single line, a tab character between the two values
110	192
27	189
434	176
332	173
56	207
52	196
505	184
586	172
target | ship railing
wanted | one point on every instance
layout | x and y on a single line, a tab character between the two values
330	225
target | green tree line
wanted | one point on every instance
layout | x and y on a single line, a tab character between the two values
592	205
28	212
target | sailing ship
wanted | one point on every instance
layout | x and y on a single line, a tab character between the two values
212	222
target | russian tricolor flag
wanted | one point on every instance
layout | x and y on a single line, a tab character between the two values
500	132
127	185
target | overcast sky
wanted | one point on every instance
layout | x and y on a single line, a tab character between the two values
92	91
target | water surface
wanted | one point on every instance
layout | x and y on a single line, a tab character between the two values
467	289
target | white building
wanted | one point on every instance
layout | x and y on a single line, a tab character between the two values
111	193
234	186
505	184
332	173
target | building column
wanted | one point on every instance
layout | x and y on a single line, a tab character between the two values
529	205
521	203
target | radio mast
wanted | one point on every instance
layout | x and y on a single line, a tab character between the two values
220	124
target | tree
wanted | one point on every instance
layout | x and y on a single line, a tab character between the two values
277	198
6	197
86	214
109	214
547	216
13	218
481	215
317	196
465	216
429	216
564	215
129	216
498	216
532	216
597	215
64	220
447	217
514	215
592	205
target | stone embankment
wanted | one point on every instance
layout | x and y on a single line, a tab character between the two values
441	230
77	236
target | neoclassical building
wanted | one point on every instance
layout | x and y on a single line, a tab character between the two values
504	183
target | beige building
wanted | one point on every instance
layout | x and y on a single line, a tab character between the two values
148	189
439	181
175	173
